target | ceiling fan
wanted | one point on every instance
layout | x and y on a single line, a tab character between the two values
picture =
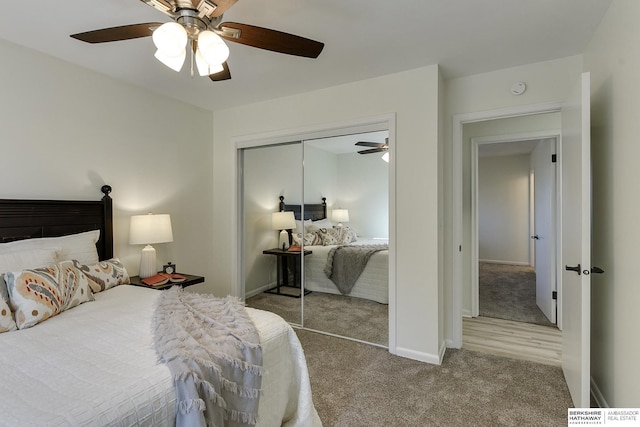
378	146
197	27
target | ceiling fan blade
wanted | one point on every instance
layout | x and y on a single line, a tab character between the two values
369	144
373	150
124	32
221	75
273	40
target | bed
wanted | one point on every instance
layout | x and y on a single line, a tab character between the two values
373	282
95	363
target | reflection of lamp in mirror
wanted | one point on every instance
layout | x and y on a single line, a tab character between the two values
340	216
283	221
147	230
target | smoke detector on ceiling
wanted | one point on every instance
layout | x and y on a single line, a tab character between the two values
518	88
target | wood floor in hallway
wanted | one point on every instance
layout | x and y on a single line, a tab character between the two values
517	340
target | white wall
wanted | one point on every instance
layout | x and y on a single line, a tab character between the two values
503	209
363	188
547	82
66	131
613	57
413	96
269	172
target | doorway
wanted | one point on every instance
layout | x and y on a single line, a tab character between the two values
513	227
520	120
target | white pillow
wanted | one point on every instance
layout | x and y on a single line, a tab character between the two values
317	225
81	247
22	259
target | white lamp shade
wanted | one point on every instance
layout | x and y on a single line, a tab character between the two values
170	38
340	215
150	229
283	220
385	157
173	62
212	48
204	68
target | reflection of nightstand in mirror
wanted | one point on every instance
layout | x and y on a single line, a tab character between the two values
191	280
283	271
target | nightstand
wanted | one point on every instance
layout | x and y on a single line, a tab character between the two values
283	270
191	280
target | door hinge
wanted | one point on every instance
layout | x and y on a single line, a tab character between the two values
554	295
554	158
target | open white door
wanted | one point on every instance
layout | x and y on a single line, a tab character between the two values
544	220
576	241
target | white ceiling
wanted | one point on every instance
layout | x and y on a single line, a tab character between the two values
347	143
512	148
363	39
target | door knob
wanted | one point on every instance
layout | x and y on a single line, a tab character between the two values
535	237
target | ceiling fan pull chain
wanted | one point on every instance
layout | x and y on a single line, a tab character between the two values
192	57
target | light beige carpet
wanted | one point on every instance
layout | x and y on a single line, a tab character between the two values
351	317
509	292
356	384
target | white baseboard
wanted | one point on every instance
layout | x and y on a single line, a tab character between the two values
495	261
434	359
260	290
466	312
597	395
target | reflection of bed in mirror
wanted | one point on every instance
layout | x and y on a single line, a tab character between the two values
373	282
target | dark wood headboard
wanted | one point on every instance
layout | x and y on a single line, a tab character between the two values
311	211
28	219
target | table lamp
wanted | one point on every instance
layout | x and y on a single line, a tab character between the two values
283	221
147	230
340	216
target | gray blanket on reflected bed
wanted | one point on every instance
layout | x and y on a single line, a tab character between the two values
346	263
212	349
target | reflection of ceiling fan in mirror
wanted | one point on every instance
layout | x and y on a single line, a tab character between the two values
378	147
197	29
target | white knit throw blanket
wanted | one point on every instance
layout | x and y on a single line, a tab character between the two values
212	349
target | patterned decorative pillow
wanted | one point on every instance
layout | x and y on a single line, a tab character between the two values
337	235
329	236
6	317
310	239
346	235
38	294
104	274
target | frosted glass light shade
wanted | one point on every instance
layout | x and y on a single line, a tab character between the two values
173	62
204	68
212	48
170	38
385	157
340	215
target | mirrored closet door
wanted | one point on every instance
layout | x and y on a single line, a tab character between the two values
337	190
271	274
348	269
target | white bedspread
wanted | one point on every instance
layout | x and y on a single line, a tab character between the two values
95	365
373	283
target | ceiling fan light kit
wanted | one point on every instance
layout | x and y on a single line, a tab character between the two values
200	27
